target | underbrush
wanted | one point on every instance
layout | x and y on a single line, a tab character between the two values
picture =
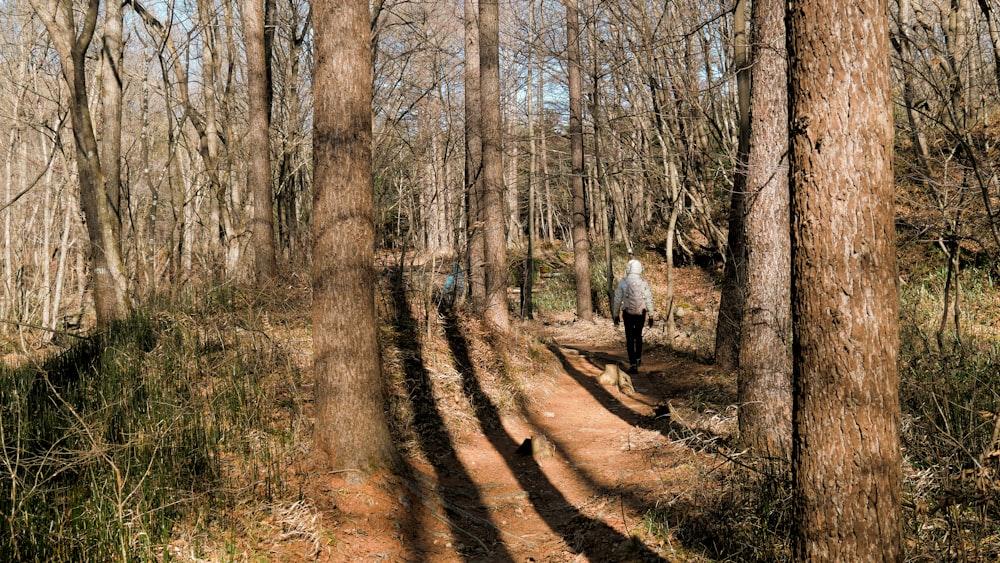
746	516
951	419
133	444
950	402
554	288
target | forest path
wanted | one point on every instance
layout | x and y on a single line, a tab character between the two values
478	498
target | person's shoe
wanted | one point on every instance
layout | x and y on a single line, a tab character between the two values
633	369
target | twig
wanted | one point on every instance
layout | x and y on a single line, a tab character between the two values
621	503
47	329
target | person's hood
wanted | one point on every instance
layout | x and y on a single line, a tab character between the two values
633	267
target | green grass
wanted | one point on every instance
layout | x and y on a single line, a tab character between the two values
109	445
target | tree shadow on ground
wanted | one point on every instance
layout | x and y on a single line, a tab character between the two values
453	479
590	537
744	518
659	420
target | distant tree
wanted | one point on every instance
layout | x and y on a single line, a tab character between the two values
765	360
258	140
71	41
846	459
351	429
528	268
495	310
474	158
581	236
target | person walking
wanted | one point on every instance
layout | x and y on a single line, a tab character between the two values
634	302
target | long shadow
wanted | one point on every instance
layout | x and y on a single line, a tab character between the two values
656	422
697	528
453	480
659	422
583	535
602	395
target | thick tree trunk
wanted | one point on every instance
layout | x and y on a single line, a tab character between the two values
581	236
351	432
765	361
258	141
846	445
495	310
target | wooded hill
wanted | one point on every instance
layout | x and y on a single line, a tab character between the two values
164	164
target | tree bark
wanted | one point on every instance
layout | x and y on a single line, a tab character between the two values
581	236
351	430
765	361
108	282
846	445
495	310
111	118
733	296
528	274
258	141
474	159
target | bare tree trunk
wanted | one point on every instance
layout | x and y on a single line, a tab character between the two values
994	31
494	240
107	279
291	184
351	432
111	118
69	213
603	193
728	325
511	153
528	278
905	49
846	445
952	249
674	186
474	158
765	361
581	237
209	138
543	156
258	141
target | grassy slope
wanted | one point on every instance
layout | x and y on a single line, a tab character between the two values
181	432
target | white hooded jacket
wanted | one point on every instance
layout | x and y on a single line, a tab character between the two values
633	271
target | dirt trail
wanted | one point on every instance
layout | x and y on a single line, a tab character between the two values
582	499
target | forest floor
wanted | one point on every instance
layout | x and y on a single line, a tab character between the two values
609	471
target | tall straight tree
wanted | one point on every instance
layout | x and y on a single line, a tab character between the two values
845	445
729	322
351	429
258	141
111	106
581	237
528	273
474	158
765	361
495	310
108	279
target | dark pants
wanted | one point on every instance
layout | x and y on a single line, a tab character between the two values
633	335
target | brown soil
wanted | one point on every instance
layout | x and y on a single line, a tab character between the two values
607	460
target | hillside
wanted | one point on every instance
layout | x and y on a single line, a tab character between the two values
185	435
